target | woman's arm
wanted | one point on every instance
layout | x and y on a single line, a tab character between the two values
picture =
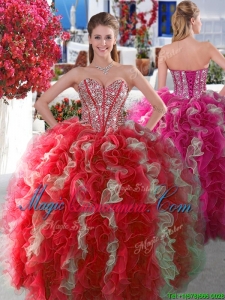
66	81
218	58
162	69
159	108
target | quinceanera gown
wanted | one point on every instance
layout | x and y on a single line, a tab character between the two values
109	236
195	121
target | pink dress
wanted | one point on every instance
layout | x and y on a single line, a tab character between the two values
102	209
195	121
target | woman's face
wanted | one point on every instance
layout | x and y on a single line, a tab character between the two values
196	25
102	40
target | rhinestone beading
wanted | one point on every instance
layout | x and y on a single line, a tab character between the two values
189	84
102	108
106	69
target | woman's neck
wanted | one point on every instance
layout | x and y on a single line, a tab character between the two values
101	62
188	39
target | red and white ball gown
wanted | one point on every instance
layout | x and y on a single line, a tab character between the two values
195	122
116	252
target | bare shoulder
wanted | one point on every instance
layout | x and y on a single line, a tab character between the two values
128	68
123	68
76	74
205	44
168	51
215	54
207	48
127	72
77	70
166	47
134	77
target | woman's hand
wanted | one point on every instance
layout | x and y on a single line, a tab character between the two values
159	108
222	92
66	81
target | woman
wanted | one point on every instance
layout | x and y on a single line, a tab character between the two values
100	209
195	119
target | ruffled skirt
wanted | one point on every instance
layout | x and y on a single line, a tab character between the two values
197	128
110	215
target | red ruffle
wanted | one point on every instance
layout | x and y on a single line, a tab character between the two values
70	254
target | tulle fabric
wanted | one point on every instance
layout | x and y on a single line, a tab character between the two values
197	128
107	254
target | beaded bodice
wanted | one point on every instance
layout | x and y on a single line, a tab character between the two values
189	84
102	107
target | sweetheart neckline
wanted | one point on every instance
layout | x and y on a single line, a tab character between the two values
103	87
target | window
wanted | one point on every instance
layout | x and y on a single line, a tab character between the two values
131	6
127	22
107	6
166	10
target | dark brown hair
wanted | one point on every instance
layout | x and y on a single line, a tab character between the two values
103	19
181	19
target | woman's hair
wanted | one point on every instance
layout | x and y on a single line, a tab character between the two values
103	19
181	19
